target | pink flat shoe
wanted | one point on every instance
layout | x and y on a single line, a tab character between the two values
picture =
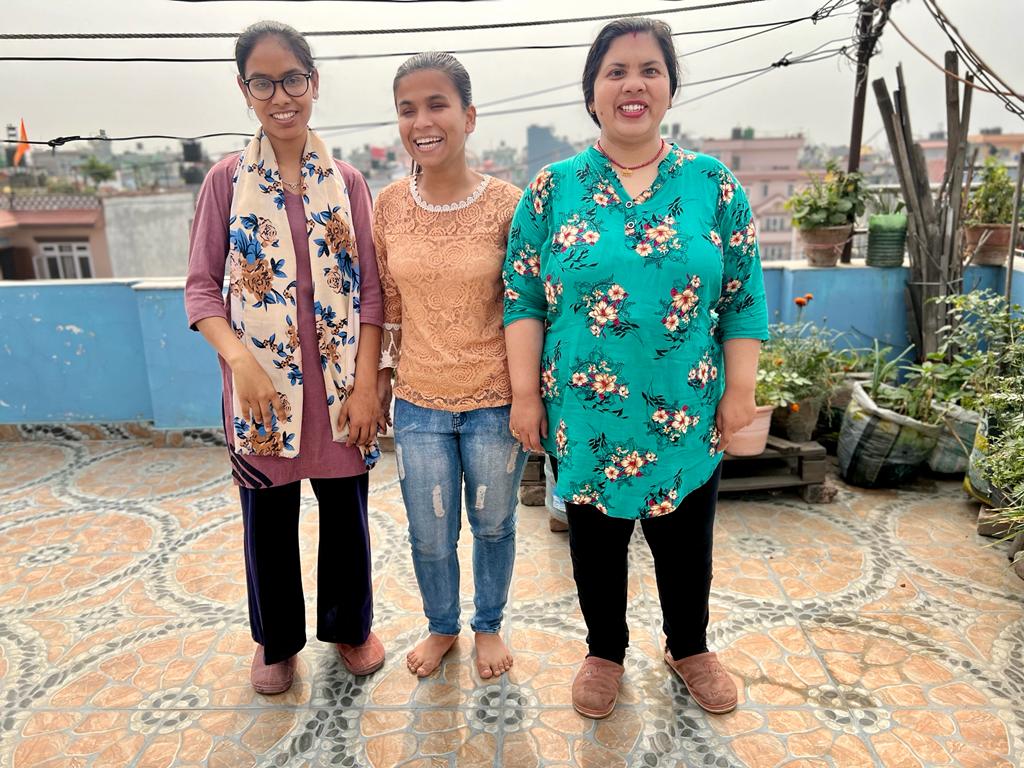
707	681
362	659
270	679
596	687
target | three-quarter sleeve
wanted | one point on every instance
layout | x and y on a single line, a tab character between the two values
528	237
371	310
208	246
742	308
391	338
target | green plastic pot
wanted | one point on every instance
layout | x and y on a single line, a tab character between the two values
887	239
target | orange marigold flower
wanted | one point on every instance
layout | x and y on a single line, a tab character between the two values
808	296
800	301
794	407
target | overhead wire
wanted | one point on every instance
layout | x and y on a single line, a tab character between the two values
362	32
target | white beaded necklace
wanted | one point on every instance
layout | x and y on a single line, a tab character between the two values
447	207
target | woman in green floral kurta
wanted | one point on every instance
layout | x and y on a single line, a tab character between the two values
640	297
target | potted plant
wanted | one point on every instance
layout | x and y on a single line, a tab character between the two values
985	336
887	230
824	213
989	216
804	350
775	388
888	431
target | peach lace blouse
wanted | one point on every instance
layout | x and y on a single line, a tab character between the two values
441	280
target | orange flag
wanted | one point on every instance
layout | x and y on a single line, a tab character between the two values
23	145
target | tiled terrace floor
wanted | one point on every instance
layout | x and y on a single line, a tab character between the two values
877	630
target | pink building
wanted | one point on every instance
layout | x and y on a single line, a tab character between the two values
768	169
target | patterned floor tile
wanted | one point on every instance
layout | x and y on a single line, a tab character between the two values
878	630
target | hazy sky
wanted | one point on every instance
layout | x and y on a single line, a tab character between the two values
187	99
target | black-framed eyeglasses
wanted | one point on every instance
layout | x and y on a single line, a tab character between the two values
262	88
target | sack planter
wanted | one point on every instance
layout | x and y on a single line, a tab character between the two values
753	438
950	456
879	447
824	245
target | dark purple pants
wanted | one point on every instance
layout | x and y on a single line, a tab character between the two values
344	590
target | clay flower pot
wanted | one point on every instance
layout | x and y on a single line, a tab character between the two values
824	245
752	439
994	250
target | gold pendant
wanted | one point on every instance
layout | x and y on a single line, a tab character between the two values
626	171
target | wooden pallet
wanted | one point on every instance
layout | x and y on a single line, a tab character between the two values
782	465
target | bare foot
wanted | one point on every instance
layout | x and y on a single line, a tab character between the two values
493	658
427	655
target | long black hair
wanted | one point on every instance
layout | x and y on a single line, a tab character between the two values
613	30
289	36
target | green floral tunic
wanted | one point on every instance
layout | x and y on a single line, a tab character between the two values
637	296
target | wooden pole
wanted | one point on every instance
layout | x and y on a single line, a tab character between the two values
867	35
1013	229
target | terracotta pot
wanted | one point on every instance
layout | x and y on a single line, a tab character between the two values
824	245
752	439
994	250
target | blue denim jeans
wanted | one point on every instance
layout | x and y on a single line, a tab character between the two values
438	452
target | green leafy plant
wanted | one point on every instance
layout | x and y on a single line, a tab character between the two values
836	199
991	202
884	202
778	387
984	339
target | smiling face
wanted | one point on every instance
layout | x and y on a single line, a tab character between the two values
432	122
632	89
283	117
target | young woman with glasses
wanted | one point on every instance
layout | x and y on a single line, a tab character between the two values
298	338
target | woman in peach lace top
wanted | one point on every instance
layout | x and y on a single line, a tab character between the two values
441	237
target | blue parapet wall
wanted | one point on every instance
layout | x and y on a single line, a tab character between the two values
108	351
72	351
182	370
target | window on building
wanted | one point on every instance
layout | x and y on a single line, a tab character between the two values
791	189
764	190
63	261
774	253
735	163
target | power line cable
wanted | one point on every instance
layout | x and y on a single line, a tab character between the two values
812	56
383	55
360	32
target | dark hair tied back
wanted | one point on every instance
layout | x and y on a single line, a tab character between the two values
613	30
444	63
289	36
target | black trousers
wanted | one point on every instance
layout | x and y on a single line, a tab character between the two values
681	543
273	575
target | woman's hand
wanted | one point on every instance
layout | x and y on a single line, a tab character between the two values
255	391
528	421
361	412
735	411
384	395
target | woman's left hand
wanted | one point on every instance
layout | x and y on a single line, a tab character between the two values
735	411
362	413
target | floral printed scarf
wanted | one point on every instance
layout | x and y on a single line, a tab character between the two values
261	256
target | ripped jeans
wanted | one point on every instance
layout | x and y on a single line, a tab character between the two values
435	450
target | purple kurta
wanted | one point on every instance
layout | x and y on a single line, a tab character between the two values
319	456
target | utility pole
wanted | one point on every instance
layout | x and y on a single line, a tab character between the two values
873	16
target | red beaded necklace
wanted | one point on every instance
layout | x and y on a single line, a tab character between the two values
627	170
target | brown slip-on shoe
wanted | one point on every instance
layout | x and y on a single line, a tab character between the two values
707	681
362	659
557	526
596	687
269	679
